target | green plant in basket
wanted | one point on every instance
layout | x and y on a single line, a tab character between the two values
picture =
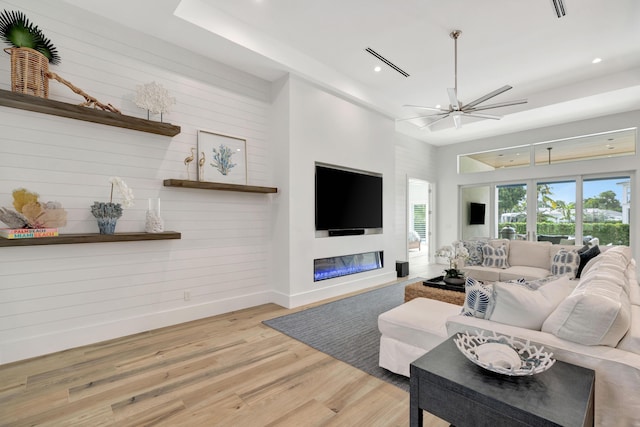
17	31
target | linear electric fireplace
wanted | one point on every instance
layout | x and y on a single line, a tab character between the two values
328	268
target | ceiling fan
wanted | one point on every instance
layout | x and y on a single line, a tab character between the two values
456	108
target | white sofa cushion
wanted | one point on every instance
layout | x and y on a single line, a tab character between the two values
598	311
486	274
634	286
420	322
631	341
516	305
530	254
523	272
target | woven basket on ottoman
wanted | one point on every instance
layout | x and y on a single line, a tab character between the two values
418	290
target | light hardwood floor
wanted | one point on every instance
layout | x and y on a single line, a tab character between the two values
227	370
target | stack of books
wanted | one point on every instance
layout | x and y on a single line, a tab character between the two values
27	233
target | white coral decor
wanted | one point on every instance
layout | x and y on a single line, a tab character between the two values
125	191
534	359
154	98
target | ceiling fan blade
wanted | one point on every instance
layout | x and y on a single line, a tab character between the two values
434	122
457	120
426	108
421	117
487	96
483	116
453	99
497	105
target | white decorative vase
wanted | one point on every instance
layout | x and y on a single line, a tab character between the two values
154	222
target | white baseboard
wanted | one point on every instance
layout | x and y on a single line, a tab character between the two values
33	346
338	289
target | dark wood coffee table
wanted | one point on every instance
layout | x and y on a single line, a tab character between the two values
439	283
448	385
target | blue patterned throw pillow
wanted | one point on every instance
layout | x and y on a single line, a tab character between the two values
494	257
565	263
474	247
478	299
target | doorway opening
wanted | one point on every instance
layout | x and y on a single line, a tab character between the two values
418	223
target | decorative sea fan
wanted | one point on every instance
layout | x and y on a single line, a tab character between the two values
16	30
13	219
30	213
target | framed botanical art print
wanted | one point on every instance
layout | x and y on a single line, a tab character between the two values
221	158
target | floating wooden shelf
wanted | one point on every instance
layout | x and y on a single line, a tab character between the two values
65	239
78	112
205	185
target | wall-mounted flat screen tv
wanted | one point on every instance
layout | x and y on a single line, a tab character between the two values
476	213
346	199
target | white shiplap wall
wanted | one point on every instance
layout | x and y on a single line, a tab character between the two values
55	297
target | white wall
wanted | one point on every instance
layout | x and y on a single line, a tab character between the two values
449	180
468	195
414	159
55	297
237	249
328	129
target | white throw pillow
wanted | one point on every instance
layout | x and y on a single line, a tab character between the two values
494	257
520	306
598	312
531	254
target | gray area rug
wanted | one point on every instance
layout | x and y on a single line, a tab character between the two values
347	329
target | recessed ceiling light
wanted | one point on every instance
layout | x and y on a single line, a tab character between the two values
438	106
377	69
596	60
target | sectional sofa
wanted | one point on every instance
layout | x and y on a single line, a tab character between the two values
516	259
591	321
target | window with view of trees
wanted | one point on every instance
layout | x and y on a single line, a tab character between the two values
604	214
420	220
606	208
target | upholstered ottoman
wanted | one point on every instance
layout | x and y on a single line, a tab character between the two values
412	329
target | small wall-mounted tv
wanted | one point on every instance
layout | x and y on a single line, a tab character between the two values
347	199
476	213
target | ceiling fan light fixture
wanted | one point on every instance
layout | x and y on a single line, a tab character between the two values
456	108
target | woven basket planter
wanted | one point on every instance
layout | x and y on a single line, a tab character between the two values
29	70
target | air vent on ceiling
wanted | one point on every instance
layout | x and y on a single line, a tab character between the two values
386	61
558	6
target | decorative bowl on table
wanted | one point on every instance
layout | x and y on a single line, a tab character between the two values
504	355
457	281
